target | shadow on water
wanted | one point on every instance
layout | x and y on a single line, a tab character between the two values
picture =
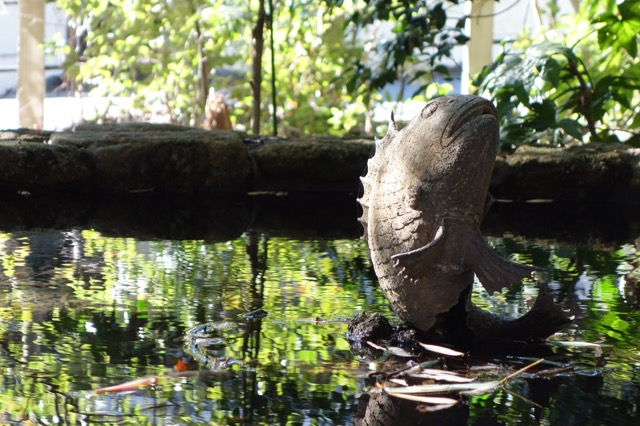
329	216
182	217
101	291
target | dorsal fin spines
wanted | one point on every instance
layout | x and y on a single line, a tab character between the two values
391	129
375	167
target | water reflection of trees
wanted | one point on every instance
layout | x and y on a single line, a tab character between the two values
114	309
257	253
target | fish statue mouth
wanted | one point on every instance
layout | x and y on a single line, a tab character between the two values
477	113
424	196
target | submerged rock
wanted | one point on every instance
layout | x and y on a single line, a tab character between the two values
363	327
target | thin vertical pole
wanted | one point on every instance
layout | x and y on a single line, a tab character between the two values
274	103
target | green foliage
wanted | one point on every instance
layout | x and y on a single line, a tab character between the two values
153	51
582	87
150	51
312	50
331	64
328	71
422	37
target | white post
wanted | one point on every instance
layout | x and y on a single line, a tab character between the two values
31	82
479	48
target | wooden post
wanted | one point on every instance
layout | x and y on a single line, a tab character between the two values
31	82
479	48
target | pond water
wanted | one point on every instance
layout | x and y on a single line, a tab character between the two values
81	310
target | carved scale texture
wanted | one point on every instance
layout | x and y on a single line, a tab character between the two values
391	226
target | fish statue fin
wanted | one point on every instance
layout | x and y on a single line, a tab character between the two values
541	321
413	263
494	272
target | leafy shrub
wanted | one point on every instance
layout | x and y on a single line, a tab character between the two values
581	89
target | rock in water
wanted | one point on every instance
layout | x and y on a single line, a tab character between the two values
425	194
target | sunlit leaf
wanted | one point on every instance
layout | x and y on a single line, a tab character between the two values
441	350
128	386
482	388
400	352
376	346
576	344
419	367
425	399
392	349
446	388
440	375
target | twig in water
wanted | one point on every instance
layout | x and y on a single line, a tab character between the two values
522	370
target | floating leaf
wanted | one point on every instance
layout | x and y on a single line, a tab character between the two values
373	345
441	350
576	344
446	388
436	400
392	350
128	386
400	352
491	368
482	388
418	367
400	382
445	376
443	372
151	381
423	408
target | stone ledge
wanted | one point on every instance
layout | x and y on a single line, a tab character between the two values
589	172
135	157
313	164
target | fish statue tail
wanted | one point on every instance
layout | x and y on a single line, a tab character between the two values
543	319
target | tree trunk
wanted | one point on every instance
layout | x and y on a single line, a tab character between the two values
256	69
202	82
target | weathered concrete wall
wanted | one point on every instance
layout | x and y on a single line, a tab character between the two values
145	157
598	172
128	157
318	164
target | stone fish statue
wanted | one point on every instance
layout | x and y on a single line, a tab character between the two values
425	194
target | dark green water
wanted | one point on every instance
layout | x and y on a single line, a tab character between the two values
80	311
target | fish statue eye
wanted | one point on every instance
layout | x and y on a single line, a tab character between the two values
429	110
